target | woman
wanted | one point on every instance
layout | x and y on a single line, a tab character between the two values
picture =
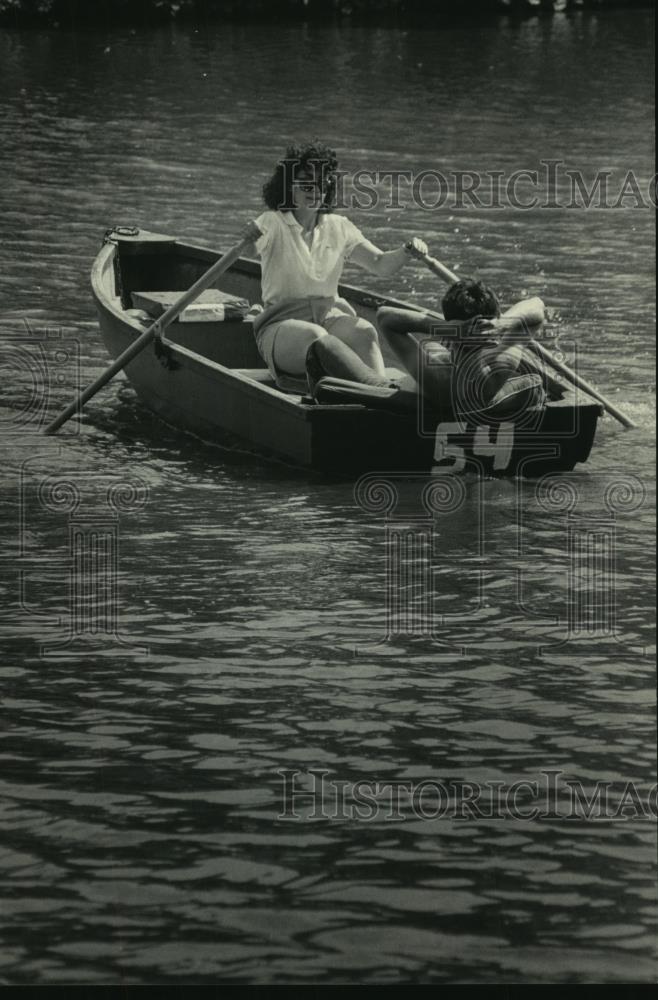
303	247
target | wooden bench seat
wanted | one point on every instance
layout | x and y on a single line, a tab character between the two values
262	375
155	303
229	342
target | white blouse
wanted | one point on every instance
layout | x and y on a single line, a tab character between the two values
292	269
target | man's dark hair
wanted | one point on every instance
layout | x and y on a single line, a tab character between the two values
313	158
467	299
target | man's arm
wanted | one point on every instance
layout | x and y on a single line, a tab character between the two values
512	327
398	326
517	323
399	322
532	310
403	321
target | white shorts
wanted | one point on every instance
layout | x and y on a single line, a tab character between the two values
320	312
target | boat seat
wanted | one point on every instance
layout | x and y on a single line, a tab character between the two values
210	306
216	326
262	375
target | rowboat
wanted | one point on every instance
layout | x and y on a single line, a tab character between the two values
206	378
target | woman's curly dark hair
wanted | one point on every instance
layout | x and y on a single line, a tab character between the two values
311	158
467	299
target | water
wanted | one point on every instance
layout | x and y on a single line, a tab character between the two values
147	836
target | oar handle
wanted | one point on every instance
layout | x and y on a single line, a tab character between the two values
159	326
443	272
438	268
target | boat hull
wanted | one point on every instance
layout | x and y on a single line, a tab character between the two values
212	383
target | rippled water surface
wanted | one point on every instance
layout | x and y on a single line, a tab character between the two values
147	837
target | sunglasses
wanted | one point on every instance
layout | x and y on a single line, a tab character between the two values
309	187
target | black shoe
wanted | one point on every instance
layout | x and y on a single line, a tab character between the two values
294	384
340	392
314	369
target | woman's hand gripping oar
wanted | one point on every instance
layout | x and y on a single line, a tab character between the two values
158	327
443	272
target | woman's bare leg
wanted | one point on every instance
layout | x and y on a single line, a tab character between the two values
362	337
292	339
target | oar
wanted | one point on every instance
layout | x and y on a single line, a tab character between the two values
161	324
443	272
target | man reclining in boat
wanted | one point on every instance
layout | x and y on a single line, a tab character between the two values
305	324
474	357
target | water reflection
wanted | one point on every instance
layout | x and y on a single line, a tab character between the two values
141	796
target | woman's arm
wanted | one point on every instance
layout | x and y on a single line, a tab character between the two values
385	263
252	233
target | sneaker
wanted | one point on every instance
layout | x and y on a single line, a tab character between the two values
554	389
517	394
514	386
